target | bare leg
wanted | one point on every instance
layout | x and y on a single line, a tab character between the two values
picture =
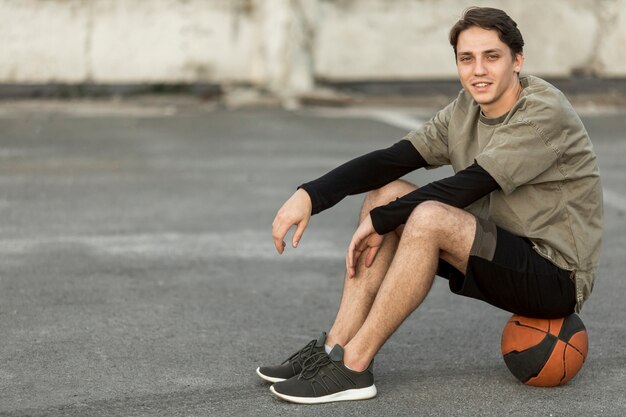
434	230
360	291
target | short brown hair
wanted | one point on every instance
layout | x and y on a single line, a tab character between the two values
489	19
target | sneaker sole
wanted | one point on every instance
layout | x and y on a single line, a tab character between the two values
348	395
268	378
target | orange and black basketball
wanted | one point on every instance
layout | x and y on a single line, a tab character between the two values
544	352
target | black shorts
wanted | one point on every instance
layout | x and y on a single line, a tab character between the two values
505	271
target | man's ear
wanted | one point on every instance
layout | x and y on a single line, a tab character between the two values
518	63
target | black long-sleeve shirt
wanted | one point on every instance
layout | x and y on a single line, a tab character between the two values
378	168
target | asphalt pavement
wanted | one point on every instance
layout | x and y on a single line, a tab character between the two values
138	276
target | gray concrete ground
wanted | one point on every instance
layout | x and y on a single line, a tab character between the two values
138	276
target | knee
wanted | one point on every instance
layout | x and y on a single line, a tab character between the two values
388	193
428	217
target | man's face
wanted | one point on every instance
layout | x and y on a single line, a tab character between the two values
487	70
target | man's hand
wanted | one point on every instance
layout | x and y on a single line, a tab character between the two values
295	212
365	237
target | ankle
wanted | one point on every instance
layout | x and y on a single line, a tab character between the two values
334	338
354	361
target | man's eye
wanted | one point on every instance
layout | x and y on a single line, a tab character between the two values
492	57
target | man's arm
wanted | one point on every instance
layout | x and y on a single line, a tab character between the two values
365	173
459	190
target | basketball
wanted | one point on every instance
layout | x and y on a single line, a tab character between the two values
544	352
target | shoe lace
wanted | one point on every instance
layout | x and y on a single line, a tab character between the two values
301	355
317	361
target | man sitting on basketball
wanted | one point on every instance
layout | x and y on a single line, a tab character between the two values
519	225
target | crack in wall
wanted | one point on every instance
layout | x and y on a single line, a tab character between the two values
606	13
88	43
287	46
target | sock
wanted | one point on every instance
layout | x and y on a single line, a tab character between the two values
328	349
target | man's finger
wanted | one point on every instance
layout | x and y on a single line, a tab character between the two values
371	255
298	234
354	254
350	259
278	234
280	246
363	245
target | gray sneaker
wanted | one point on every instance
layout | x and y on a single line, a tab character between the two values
293	365
324	378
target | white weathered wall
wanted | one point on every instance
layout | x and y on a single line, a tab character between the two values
169	40
284	45
371	39
408	39
127	41
40	41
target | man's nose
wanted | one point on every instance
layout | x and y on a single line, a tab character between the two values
479	68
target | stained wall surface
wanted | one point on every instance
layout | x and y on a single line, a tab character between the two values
285	45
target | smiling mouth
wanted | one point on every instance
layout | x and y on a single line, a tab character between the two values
481	84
